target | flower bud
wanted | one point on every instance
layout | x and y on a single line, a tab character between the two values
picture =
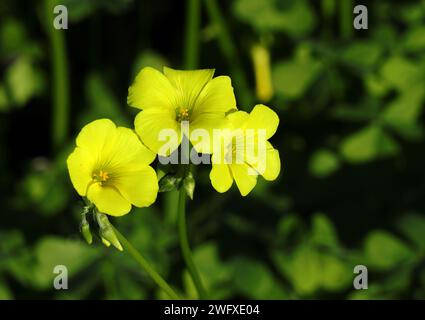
110	236
189	185
262	68
85	226
85	231
169	182
107	233
105	242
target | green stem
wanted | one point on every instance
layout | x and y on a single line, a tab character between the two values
146	266
191	51
60	81
328	10
228	49
184	245
346	19
170	207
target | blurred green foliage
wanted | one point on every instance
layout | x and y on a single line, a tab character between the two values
351	140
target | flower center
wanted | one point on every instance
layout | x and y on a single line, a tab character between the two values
182	114
100	176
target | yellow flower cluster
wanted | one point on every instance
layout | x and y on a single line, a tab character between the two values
110	166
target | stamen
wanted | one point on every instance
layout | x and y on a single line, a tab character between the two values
101	176
182	114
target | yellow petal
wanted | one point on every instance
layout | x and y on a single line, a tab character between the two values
266	162
114	147
95	135
244	177
238	119
188	83
272	163
108	200
80	165
216	97
139	187
151	89
221	178
207	122
129	149
262	117
151	124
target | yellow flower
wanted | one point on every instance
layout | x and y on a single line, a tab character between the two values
244	152
110	166
169	98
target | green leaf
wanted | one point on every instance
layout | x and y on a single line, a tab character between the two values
255	281
213	271
44	188
299	20
5	293
367	144
401	72
323	163
383	251
304	270
375	84
250	10
412	12
296	17
16	258
13	37
323	232
52	251
414	40
405	110
363	54
287	227
413	227
292	78
23	80
79	9
335	274
311	266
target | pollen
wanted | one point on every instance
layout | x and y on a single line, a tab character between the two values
182	114
101	176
